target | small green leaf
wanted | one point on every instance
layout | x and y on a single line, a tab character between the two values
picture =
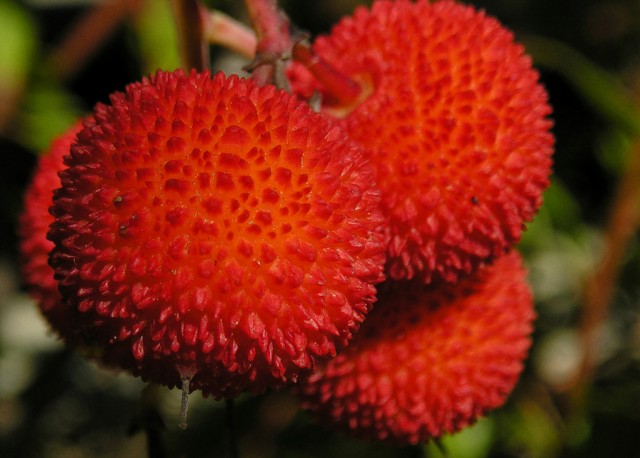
156	37
17	44
47	110
472	442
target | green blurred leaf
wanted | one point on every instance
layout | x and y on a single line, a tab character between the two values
559	212
561	206
472	442
17	43
599	88
157	37
613	150
529	429
48	109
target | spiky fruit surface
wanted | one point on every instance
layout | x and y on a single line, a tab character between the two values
455	120
428	360
214	230
32	230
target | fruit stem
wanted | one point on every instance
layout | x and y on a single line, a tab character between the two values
342	89
190	17
221	29
231	426
274	42
184	406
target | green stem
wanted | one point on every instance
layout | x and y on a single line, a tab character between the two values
190	19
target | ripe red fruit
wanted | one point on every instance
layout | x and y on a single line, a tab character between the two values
32	230
428	360
454	118
213	231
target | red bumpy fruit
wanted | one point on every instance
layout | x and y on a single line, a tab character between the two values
214	231
454	118
428	360
32	230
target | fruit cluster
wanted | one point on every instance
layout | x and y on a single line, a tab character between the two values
211	233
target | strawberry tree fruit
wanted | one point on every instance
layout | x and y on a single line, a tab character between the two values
215	234
454	118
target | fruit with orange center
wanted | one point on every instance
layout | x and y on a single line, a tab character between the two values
428	360
454	118
214	232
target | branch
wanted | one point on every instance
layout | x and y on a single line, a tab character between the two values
223	30
194	48
87	36
599	290
274	41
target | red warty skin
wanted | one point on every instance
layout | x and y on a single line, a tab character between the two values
32	230
455	121
218	232
428	360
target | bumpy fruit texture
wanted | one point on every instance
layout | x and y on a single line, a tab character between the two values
454	118
428	360
212	230
32	230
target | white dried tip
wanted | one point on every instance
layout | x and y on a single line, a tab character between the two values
186	381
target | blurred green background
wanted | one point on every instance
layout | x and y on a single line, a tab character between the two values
582	250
